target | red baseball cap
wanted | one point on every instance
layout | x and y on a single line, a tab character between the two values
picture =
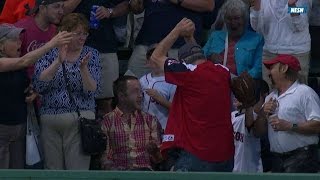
289	60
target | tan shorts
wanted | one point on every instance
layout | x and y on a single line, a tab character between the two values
109	73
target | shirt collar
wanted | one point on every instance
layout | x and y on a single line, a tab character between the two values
291	90
120	113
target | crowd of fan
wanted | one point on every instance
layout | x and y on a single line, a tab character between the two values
174	109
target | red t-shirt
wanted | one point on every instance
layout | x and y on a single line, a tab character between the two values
33	37
200	119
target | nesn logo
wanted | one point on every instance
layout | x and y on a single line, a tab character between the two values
294	10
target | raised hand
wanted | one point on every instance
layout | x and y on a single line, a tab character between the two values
185	27
292	2
256	5
85	60
62	38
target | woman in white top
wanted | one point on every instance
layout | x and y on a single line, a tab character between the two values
284	33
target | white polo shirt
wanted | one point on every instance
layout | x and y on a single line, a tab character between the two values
298	104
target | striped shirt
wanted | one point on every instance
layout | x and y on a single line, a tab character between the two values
126	145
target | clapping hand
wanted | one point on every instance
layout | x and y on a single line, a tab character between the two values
85	60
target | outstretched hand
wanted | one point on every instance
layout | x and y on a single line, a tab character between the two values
62	38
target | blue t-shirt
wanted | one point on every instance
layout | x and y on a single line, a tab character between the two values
161	17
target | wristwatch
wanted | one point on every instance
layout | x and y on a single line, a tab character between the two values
110	12
294	127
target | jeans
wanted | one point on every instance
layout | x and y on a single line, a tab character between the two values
189	162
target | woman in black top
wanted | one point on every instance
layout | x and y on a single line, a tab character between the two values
13	108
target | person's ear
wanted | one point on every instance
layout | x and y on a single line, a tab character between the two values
284	68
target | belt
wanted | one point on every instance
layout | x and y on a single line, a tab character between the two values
295	151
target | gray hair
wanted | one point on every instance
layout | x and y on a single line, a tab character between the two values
229	6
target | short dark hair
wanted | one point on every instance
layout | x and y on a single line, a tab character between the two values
120	86
73	20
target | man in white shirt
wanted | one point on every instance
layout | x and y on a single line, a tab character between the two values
284	32
291	116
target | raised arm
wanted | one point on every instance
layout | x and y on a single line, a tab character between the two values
196	5
183	28
11	64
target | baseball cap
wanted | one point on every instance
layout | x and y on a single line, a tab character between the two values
46	2
190	52
287	59
10	31
35	9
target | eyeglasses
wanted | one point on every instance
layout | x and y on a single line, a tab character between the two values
81	35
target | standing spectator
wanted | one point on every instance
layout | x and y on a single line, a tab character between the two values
129	131
40	26
157	93
105	41
237	48
291	116
284	33
247	146
200	120
13	106
160	16
59	120
315	35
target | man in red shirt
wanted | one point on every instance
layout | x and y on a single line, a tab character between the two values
199	122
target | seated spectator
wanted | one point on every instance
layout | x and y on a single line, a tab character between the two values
247	146
157	93
13	106
129	131
237	48
291	117
283	32
59	120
